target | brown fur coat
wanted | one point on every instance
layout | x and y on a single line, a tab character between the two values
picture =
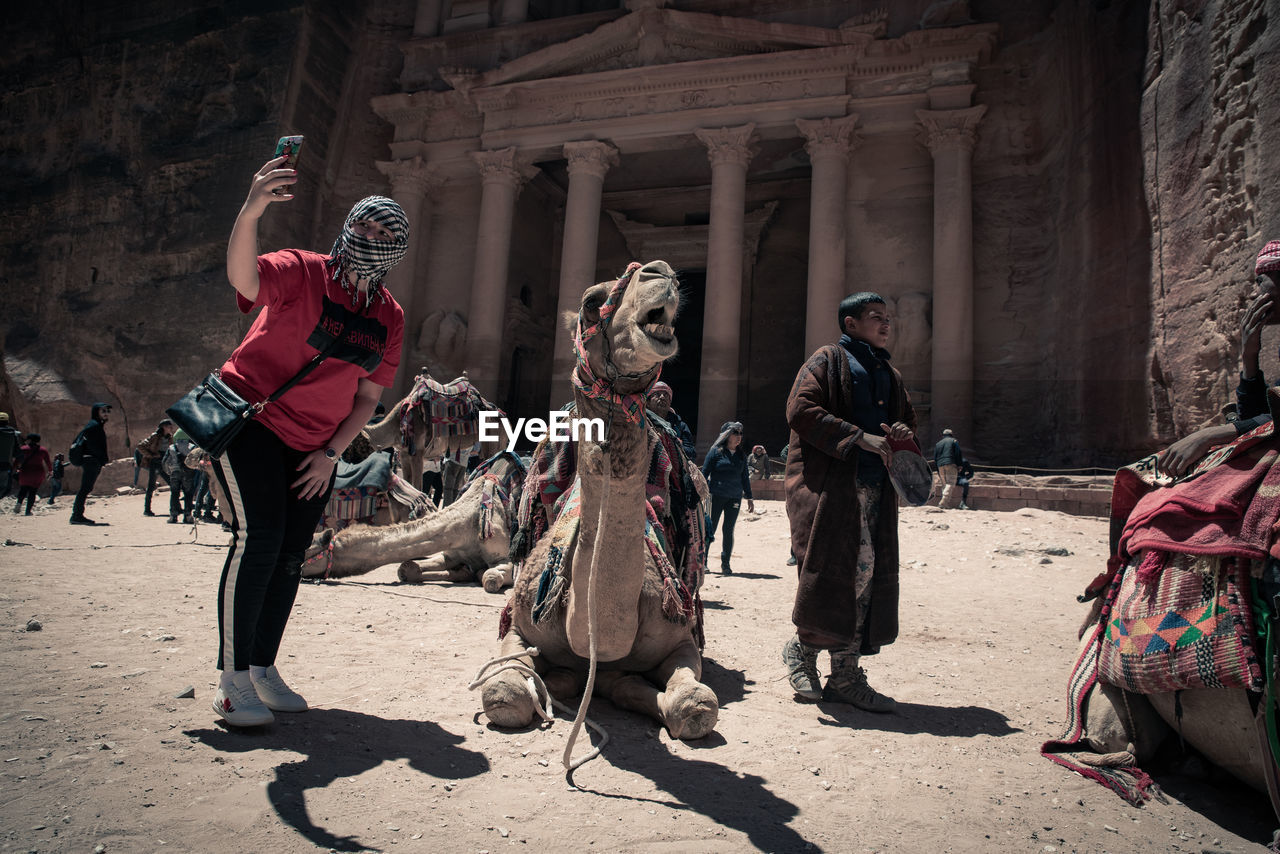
822	507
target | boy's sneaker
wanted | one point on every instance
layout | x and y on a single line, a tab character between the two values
276	695
239	704
802	669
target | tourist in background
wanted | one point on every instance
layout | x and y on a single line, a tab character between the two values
35	467
725	469
9	444
90	453
758	465
150	455
55	477
948	457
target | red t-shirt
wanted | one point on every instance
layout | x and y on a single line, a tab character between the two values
302	311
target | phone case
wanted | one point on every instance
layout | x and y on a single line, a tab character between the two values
290	145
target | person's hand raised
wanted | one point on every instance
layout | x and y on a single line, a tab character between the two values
265	181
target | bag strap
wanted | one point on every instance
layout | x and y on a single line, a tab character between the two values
297	378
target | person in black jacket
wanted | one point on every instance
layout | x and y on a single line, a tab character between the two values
725	469
93	439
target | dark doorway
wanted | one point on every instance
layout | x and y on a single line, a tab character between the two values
683	372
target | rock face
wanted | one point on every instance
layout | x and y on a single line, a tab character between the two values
130	134
1117	206
1208	112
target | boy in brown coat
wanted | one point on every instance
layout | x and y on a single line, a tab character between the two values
847	402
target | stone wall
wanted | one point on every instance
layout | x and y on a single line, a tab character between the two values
1211	131
131	132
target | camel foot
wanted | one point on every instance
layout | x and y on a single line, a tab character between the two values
507	701
690	711
410	571
494	580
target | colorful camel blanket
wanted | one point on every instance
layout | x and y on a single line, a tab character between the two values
501	478
1176	612
452	410
675	527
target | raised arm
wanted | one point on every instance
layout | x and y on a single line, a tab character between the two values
242	248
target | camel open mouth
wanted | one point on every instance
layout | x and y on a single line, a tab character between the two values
660	332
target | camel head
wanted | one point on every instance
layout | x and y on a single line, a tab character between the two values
626	327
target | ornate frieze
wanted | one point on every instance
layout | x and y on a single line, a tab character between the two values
950	129
728	145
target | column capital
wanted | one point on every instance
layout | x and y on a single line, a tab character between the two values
943	130
590	157
728	145
503	166
828	137
411	177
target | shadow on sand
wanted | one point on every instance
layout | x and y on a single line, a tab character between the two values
916	718
339	743
729	798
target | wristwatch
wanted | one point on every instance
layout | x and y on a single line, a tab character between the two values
331	453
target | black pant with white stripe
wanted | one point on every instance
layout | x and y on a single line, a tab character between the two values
271	529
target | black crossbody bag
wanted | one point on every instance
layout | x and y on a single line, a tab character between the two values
213	414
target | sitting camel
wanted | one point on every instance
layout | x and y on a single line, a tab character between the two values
1175	638
605	583
466	541
433	420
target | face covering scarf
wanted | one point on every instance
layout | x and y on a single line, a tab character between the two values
369	259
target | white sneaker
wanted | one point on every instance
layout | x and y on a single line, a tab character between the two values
276	695
239	704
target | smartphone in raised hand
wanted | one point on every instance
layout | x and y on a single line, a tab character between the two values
289	146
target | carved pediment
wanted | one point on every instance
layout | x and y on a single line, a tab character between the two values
653	36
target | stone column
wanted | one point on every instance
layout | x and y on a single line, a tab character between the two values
730	151
501	177
950	136
411	183
589	161
828	145
426	20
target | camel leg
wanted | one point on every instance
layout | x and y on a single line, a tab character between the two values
416	570
687	708
497	577
506	698
563	683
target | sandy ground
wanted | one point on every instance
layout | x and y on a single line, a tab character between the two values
99	754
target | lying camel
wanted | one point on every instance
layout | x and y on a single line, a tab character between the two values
408	428
466	541
649	652
1170	642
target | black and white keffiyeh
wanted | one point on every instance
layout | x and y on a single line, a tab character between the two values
369	259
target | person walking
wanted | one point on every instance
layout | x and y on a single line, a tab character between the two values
89	451
725	469
55	478
150	453
10	441
182	479
278	471
948	457
846	404
35	467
